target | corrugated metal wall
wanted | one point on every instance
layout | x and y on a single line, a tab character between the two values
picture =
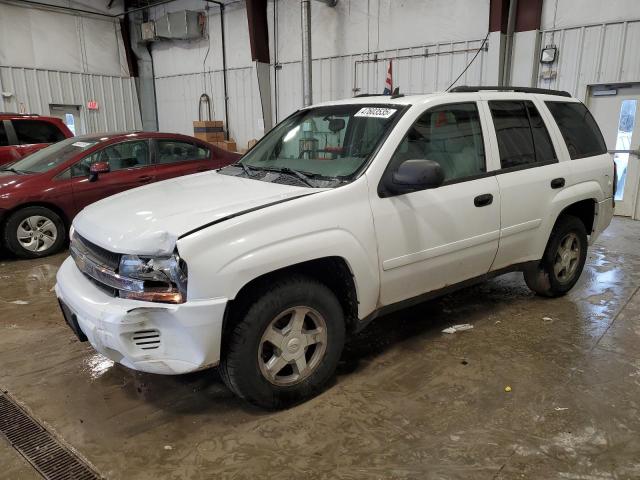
33	90
333	78
593	54
178	99
422	69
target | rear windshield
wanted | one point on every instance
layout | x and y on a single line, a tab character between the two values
52	156
579	130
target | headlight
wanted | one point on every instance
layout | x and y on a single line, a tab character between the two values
165	278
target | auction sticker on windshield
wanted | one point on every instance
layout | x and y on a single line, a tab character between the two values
375	112
82	144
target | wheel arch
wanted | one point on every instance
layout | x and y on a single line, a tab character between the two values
54	208
585	210
333	271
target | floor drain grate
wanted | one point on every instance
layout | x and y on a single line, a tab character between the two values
41	449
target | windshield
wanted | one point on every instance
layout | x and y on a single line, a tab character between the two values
319	145
52	156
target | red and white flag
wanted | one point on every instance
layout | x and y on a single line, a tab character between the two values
388	84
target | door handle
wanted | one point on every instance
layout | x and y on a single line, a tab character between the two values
145	178
483	200
557	183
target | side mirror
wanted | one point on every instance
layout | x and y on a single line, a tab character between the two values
98	168
413	176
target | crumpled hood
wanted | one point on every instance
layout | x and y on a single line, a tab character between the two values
148	220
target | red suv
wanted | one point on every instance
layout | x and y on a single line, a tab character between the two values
40	194
21	134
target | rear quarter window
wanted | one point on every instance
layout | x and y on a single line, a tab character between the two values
36	131
579	129
4	141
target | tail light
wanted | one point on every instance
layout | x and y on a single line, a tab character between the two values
615	182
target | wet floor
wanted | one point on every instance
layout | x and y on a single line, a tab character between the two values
408	400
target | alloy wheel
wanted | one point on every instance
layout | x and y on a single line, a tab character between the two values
292	346
567	258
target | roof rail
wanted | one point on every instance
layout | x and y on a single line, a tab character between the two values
507	88
360	95
20	114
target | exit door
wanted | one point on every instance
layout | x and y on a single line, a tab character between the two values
616	109
70	115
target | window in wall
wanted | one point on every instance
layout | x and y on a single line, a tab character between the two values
171	151
626	124
119	156
579	129
36	131
523	138
450	135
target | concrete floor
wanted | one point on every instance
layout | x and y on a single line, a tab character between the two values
408	401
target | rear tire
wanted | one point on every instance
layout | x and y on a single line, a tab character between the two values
34	232
286	347
563	259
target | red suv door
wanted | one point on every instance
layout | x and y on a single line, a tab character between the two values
130	167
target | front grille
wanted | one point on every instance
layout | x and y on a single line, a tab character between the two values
147	339
95	253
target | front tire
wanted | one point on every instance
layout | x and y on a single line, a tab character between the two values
286	347
34	232
563	259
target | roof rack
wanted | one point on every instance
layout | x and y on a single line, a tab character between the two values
20	114
507	88
395	94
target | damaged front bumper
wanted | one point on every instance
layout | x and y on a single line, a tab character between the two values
150	337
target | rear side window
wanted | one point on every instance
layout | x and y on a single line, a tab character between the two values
36	131
4	141
579	129
171	151
523	139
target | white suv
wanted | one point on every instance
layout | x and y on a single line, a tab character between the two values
344	211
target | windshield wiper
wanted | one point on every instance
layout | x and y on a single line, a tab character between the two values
244	167
296	173
13	170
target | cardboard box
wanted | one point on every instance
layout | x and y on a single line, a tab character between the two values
210	137
251	143
215	125
229	145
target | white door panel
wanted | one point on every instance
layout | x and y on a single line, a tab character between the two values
434	238
527	197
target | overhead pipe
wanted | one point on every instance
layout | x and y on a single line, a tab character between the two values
307	80
508	51
307	96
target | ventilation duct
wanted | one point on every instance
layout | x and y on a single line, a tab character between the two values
182	25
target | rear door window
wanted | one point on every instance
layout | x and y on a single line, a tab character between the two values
523	139
579	129
36	131
172	151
